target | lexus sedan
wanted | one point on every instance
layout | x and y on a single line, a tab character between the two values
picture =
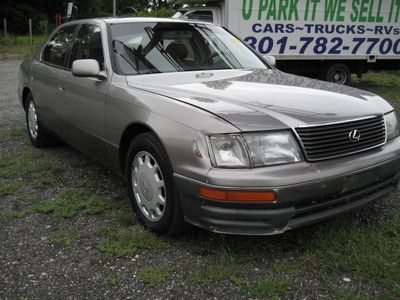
204	130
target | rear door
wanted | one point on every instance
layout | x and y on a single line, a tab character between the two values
82	99
45	75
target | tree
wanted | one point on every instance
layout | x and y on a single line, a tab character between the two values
17	12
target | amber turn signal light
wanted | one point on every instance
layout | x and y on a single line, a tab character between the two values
238	196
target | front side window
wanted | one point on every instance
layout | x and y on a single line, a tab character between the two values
201	15
56	50
88	45
143	48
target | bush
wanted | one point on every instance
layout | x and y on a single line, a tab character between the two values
44	27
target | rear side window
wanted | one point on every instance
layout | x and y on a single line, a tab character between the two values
57	48
88	45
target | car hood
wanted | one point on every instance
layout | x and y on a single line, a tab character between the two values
263	99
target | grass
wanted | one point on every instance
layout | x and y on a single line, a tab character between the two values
124	217
14	215
370	252
98	204
65	238
13	132
72	201
9	189
30	164
271	287
18	47
153	276
128	241
384	84
113	280
224	266
66	205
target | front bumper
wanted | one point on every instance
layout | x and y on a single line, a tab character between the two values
322	191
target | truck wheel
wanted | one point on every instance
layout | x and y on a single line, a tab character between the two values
337	73
152	188
39	136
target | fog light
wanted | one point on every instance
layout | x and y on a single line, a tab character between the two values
238	196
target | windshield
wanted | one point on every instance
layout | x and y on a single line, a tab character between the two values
145	48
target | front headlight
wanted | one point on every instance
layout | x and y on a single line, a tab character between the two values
392	126
273	148
229	151
263	149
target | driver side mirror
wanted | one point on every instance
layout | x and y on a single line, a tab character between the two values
87	68
270	59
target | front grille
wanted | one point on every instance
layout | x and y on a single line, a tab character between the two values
333	140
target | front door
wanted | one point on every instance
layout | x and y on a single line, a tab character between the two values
82	116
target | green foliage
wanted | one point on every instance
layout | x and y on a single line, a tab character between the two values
31	164
13	132
223	267
271	287
66	205
44	27
14	215
127	242
114	280
385	84
124	217
10	188
21	40
227	266
65	238
162	13
70	202
42	12
99	204
153	276
370	252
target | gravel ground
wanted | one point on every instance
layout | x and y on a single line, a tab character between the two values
11	114
43	256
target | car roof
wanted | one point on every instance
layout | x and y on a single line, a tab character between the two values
121	20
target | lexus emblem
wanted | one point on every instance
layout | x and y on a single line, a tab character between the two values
354	135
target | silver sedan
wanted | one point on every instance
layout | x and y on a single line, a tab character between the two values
204	130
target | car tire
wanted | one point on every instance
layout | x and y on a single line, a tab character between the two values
39	136
337	73
152	188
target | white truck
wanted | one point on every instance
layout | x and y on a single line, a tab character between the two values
328	39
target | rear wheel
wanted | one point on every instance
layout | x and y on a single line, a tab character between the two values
152	188
38	135
337	73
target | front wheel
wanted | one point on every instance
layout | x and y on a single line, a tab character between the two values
38	135
151	186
